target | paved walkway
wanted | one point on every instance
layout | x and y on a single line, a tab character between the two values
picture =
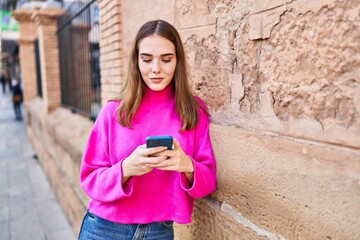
28	207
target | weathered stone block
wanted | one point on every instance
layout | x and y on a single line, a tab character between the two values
285	186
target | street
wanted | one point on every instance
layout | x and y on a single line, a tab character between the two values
28	207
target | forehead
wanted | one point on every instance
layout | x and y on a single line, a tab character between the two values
156	45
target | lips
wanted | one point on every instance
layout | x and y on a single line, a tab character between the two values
156	80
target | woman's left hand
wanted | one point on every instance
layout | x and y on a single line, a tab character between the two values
177	160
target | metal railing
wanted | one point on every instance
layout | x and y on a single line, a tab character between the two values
79	58
38	69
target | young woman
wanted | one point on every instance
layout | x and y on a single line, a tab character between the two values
137	192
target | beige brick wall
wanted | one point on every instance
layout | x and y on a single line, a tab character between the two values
27	50
111	51
46	24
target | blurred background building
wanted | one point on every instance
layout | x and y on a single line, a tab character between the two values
9	33
78	29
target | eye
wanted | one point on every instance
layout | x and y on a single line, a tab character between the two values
146	60
166	60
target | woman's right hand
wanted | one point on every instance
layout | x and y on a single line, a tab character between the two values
135	164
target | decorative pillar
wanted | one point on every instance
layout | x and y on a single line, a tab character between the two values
46	24
28	35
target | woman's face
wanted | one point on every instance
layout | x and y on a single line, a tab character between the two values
157	61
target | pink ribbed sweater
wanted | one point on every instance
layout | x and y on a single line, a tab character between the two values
158	195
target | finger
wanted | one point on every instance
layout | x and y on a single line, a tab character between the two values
153	150
143	166
154	160
166	153
176	144
142	146
168	166
163	164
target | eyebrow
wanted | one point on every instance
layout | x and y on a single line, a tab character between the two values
162	55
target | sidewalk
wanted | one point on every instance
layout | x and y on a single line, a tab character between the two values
28	207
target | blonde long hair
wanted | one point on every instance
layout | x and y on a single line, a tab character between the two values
131	95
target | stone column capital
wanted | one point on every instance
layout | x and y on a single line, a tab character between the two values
27	27
46	16
23	15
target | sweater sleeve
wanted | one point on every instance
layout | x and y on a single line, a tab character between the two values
203	160
99	179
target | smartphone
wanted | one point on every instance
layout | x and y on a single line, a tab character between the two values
155	141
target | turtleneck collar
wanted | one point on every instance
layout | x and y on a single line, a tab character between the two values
159	96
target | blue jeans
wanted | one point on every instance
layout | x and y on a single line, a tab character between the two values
96	228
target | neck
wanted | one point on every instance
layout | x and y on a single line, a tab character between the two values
159	96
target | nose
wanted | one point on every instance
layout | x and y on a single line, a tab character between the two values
156	67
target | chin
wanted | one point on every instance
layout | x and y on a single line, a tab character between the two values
157	88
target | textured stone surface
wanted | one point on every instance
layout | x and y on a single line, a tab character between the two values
193	18
302	81
247	83
210	222
311	73
213	59
288	187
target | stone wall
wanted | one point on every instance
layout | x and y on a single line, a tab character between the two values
281	79
59	139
